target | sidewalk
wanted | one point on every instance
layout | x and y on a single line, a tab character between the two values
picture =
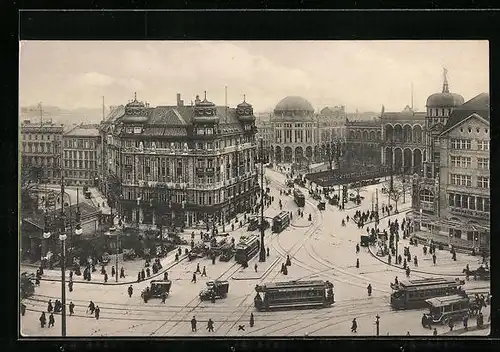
97	279
98	200
485	331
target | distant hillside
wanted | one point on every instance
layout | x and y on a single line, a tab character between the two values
58	115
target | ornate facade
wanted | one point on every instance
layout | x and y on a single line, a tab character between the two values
363	141
81	155
403	139
451	198
300	135
41	147
180	164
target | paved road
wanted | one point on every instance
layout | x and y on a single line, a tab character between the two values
320	249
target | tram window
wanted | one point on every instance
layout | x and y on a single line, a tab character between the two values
447	309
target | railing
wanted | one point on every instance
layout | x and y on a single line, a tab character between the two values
173	151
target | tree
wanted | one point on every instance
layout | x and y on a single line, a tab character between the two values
395	195
30	176
403	184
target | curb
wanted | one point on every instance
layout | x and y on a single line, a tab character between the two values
462	330
258	277
122	283
412	270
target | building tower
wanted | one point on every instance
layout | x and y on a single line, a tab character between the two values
439	108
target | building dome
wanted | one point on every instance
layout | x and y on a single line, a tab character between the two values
293	103
135	112
445	100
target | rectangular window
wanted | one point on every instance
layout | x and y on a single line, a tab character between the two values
483	163
480	203
483	145
483	182
487	205
460	180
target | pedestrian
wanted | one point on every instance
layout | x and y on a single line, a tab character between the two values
389	259
105	278
165	276
354	326
194	278
435	332
425	250
51	320
288	262
23	309
404	264
466	321
255	267
43	320
357	248
193	324
357	263
408	272
70	286
268	251
148	271
407	333
49	306
122	273
130	291
198	268
204	272
139	276
369	289
71	274
113	271
396	282
450	324
97	312
163	297
415	261
210	325
71	308
251	320
91	307
425	321
434	258
143	275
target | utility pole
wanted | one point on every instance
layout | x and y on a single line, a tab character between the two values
62	237
377	323
262	254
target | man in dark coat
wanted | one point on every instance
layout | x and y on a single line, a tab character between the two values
43	320
122	273
97	312
51	320
354	326
210	325
251	320
130	291
71	308
193	324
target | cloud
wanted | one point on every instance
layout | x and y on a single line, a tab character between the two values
94	79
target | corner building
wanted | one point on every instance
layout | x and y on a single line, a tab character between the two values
180	164
300	134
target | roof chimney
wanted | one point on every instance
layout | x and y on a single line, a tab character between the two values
180	102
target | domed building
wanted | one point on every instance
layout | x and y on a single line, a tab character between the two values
299	135
439	108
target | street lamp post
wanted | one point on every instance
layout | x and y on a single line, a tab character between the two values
262	254
377	323
63	237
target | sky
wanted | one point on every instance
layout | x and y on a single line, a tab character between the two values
361	75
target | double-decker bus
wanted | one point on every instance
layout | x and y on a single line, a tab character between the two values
294	294
411	294
281	221
246	249
299	198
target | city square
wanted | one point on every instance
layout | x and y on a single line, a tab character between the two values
297	200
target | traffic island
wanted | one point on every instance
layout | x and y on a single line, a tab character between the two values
54	275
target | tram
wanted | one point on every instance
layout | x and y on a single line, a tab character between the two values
294	294
281	221
246	249
412	294
299	198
